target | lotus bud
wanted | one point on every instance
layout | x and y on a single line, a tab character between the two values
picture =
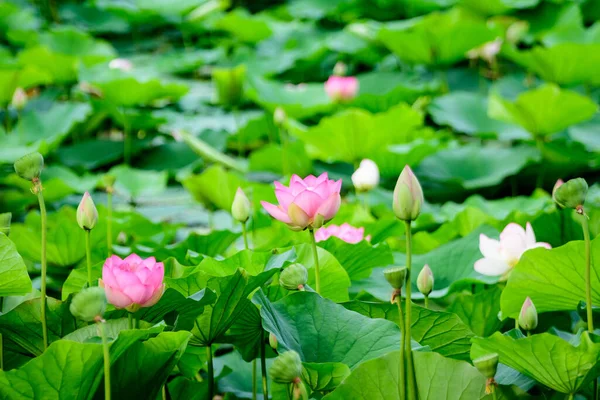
5	222
396	277
487	365
122	238
286	368
279	116
229	83
273	341
408	196
87	215
571	194
19	99
528	317
89	304
241	207
294	277
340	69
516	31
366	176
425	280
556	186
108	181
30	166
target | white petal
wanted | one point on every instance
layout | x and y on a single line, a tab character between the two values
490	248
491	267
529	235
513	242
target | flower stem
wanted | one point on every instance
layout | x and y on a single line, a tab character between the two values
263	367
109	192
44	217
316	256
211	372
426	301
127	140
402	369
412	394
245	235
494	392
588	273
130	320
1	353
106	361
254	385
88	255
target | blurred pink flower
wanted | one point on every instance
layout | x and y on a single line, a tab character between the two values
346	232
306	203
501	256
341	88
133	282
120	63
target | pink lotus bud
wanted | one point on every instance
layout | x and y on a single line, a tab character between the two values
306	203
241	207
408	196
133	282
346	232
558	184
341	88
19	99
366	177
425	280
121	64
528	317
87	215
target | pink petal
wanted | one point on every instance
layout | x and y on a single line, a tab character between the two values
322	234
125	278
138	293
133	259
324	177
155	297
112	261
149	262
108	276
116	297
157	276
284	198
490	248
310	181
276	212
299	219
330	207
490	267
309	202
279	186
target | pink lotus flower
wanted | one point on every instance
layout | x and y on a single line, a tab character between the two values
346	232
133	282
341	88
501	256
306	203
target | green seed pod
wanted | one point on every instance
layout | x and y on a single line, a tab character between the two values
89	304
293	277
571	194
408	196
241	207
5	223
273	341
229	83
487	365
30	166
425	280
396	276
286	368
528	317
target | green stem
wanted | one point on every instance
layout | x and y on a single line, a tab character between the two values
245	235
516	323
316	256
588	273
254	385
540	178
44	217
571	396
494	392
263	367
109	207
127	140
528	333
412	394
402	369
426	301
88	255
7	120
211	372
284	150
106	361
130	320
1	353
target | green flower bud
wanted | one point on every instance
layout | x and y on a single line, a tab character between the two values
571	194
89	304
273	341
108	181
5	223
279	116
340	69
241	207
528	317
425	280
408	196
87	215
286	368
30	166
229	83
19	99
293	277
396	276
487	365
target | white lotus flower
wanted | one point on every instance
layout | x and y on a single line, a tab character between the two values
366	177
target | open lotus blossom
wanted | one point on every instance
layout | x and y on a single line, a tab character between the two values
133	282
500	256
341	88
346	232
306	203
